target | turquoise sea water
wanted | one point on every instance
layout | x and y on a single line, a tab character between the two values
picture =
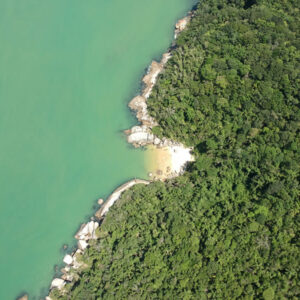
67	71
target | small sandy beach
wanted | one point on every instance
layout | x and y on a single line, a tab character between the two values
166	162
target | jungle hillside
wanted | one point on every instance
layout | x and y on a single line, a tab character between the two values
229	227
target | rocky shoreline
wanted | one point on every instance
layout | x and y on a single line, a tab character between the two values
141	135
116	195
138	136
86	233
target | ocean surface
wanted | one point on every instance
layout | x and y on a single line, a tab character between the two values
68	68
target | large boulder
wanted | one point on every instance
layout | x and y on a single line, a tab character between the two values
68	259
141	135
57	283
82	244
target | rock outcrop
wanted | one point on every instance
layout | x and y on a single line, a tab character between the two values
116	195
150	78
139	103
142	135
181	25
87	231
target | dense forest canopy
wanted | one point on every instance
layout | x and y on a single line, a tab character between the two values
229	227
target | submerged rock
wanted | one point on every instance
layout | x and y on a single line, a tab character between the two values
24	297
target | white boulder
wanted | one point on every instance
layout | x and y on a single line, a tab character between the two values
57	283
87	231
82	244
140	135
68	259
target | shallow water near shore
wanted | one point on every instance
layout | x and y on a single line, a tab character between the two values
67	71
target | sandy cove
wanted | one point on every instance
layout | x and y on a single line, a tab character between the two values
166	162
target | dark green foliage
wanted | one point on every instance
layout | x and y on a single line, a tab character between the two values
183	240
237	69
228	228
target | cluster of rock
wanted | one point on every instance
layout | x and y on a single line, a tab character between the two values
141	135
86	233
